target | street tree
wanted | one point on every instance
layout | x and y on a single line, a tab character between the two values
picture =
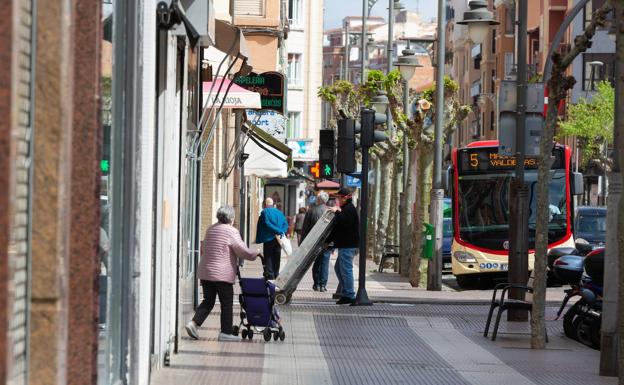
590	121
558	85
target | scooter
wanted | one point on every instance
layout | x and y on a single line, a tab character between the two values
584	274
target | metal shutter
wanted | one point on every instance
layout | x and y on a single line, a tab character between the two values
249	7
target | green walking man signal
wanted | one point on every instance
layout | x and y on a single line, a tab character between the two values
327	170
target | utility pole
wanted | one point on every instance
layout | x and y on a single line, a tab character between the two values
611	328
434	269
519	191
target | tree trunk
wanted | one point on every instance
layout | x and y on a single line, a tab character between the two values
374	210
404	265
392	237
417	268
538	325
384	202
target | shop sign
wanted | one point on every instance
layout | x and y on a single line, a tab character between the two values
269	121
270	86
302	149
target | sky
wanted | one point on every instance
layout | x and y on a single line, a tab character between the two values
335	10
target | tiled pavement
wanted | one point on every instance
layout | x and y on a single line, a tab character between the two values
411	339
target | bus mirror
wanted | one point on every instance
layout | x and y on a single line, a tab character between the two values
577	183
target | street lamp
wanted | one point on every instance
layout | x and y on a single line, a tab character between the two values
479	19
407	63
380	102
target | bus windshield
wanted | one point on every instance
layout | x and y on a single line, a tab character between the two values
484	211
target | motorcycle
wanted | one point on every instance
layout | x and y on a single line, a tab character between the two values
584	274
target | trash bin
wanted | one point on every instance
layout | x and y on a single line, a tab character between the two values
428	241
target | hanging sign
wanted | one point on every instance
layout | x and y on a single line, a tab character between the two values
270	86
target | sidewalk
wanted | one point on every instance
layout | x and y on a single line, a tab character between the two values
416	337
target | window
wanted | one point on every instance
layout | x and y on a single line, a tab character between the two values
509	62
295	12
510	17
294	125
294	69
604	72
249	7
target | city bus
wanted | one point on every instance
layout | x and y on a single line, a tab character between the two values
479	180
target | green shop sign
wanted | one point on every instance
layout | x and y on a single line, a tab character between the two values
270	86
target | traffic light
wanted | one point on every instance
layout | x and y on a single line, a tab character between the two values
369	119
507	118
315	170
327	150
345	162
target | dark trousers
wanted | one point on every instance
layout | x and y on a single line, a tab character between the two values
272	253
225	291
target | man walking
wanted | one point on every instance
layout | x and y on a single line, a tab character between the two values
271	224
320	269
346	238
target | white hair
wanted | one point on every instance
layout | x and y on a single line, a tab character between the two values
268	202
322	197
225	214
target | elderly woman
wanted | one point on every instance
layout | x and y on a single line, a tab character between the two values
221	247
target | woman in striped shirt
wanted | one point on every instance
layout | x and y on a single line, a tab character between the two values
221	248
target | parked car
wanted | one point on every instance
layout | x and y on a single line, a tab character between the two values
590	228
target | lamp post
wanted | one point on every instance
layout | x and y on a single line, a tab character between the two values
407	64
367	139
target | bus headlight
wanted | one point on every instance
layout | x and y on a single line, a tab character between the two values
463	256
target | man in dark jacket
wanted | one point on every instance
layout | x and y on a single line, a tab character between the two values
320	269
346	238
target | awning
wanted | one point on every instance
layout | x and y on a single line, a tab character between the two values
328	185
236	97
268	157
230	40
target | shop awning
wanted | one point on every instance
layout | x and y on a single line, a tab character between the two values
236	97
268	157
230	40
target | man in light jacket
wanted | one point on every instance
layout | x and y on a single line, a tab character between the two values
271	225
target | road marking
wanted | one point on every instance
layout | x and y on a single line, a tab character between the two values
473	362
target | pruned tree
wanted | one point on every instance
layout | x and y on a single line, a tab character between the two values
558	86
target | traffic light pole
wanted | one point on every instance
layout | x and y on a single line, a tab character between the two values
519	191
368	118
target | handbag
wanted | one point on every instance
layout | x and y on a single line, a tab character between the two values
284	243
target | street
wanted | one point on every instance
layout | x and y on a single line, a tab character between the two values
406	337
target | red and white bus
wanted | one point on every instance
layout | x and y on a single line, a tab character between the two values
480	181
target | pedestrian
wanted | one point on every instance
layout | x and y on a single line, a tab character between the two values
221	247
346	238
320	269
299	218
271	225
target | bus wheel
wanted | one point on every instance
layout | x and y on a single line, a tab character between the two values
465	281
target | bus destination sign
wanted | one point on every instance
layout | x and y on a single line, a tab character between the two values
488	159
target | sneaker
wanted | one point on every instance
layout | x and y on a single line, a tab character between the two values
315	288
345	301
191	329
228	337
322	289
